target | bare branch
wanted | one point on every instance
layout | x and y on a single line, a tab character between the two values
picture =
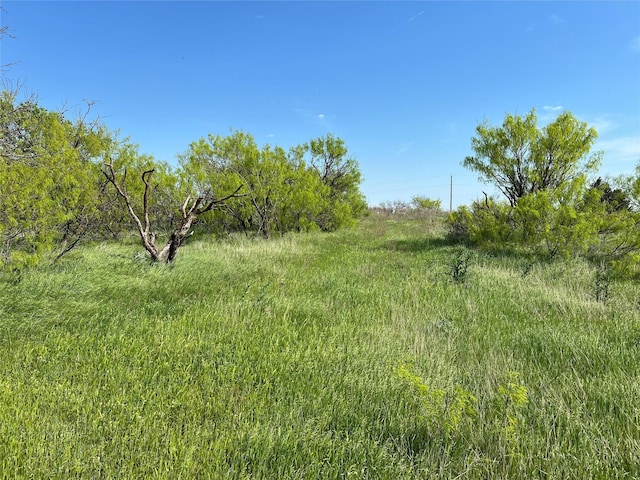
146	178
4	32
148	243
170	249
184	206
218	201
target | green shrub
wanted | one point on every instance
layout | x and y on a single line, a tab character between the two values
424	203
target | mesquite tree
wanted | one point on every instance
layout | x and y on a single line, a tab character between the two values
310	187
49	180
190	210
340	174
521	159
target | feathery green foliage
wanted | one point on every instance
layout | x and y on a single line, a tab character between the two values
550	210
313	186
62	181
521	159
48	182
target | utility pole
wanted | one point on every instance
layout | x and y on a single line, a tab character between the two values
451	195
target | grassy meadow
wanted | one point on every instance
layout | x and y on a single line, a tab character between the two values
380	352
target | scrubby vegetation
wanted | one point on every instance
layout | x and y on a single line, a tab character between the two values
64	180
298	337
550	207
357	353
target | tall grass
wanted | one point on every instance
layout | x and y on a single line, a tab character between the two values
344	355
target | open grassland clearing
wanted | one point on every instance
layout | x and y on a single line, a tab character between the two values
346	355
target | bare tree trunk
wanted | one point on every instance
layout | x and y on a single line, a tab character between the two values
176	238
148	238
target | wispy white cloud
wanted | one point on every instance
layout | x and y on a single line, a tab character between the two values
305	113
623	152
635	44
405	147
555	18
603	123
416	16
549	113
310	114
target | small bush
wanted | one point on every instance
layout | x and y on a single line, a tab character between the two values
601	283
424	203
443	411
460	267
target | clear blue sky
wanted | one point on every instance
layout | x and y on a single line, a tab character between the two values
403	83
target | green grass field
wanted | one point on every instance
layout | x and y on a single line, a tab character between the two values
345	355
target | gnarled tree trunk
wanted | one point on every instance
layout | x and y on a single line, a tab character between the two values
190	211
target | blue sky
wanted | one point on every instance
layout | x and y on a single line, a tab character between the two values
404	84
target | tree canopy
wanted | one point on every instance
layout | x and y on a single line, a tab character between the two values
312	186
49	182
65	180
520	158
552	208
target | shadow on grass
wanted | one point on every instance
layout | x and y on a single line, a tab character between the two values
520	258
418	245
421	442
